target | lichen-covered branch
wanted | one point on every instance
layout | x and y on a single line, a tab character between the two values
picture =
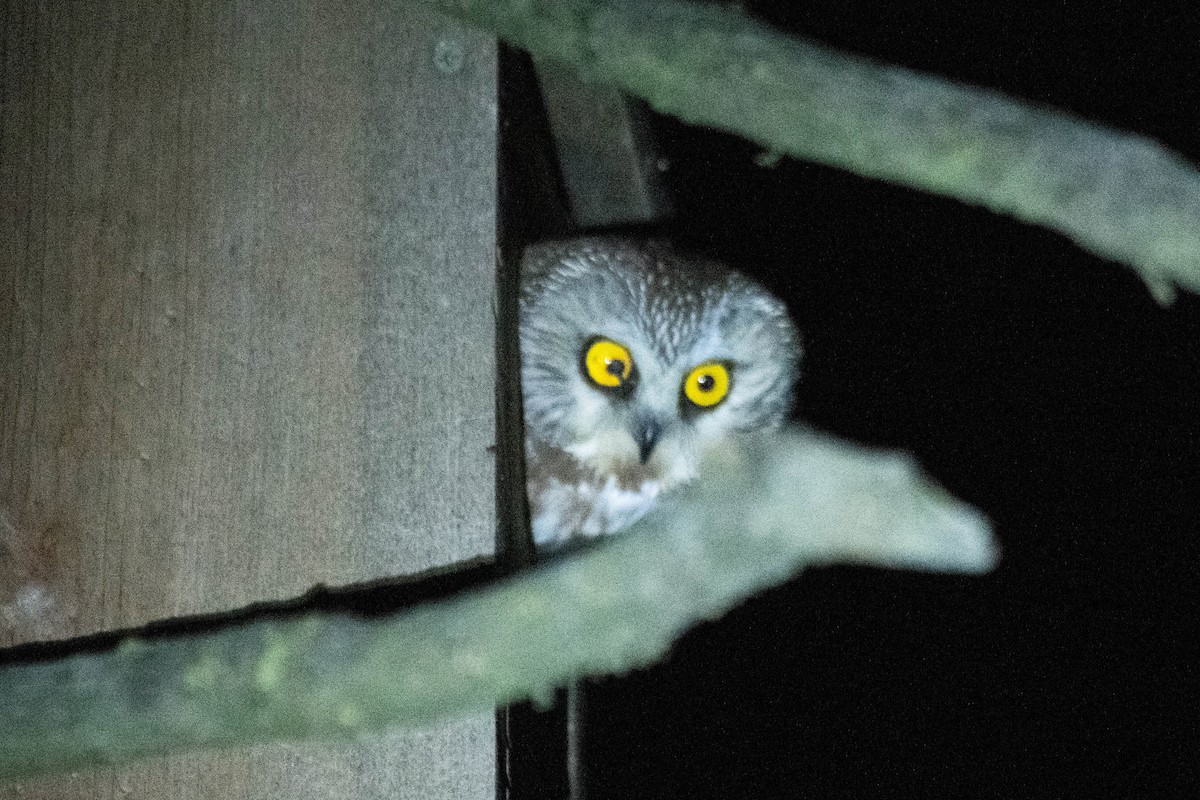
762	512
1117	195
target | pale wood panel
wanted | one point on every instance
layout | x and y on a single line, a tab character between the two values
450	761
246	334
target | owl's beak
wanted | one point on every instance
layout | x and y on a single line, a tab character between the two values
647	434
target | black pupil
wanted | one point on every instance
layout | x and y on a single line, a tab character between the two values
615	367
706	383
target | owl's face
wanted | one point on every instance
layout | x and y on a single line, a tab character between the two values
634	358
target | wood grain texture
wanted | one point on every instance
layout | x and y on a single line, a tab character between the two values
246	335
450	761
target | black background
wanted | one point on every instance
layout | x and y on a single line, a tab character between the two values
1036	381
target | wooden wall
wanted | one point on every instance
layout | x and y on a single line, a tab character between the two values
246	337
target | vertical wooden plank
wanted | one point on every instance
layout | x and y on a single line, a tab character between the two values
534	751
246	335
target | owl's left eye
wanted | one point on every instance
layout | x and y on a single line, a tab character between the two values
607	364
707	385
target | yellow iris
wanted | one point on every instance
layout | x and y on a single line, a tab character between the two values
707	384
607	363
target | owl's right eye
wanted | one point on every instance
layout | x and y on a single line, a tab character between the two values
607	364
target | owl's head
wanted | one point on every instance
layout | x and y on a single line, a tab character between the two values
633	357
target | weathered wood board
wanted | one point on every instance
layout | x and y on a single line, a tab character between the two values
246	337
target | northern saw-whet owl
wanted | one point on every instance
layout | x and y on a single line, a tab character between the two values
634	359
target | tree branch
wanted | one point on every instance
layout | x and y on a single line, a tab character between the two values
1118	195
759	514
